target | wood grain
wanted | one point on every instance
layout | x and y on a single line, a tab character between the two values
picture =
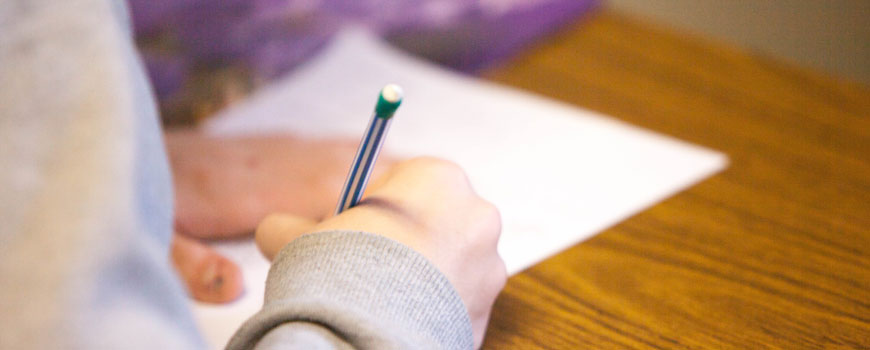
773	253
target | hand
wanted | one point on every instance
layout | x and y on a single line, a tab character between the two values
224	186
428	205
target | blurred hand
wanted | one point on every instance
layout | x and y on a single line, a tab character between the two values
429	205
224	186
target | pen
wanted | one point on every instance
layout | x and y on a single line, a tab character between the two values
389	100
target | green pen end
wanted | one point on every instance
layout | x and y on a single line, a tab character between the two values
389	101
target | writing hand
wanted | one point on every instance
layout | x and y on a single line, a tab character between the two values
428	205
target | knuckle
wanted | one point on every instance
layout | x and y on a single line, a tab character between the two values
491	216
431	161
423	161
498	275
502	273
438	167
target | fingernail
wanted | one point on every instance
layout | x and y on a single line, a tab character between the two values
211	278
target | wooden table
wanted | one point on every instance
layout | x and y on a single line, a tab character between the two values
774	252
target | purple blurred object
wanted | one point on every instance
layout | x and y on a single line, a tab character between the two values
167	73
270	37
484	37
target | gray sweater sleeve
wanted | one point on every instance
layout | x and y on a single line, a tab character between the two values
356	289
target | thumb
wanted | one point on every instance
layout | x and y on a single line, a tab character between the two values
276	230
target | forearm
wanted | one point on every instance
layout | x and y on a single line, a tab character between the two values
370	292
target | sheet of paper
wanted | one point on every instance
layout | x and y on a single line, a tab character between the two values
558	173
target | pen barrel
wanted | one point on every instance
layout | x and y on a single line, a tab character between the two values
363	163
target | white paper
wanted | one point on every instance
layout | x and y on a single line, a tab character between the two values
558	173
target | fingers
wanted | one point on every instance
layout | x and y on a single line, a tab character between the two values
423	185
276	230
428	171
208	276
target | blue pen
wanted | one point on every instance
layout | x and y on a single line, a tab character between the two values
373	138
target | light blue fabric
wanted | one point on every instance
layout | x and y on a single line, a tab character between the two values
86	194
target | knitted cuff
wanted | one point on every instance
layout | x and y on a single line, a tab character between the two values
370	290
